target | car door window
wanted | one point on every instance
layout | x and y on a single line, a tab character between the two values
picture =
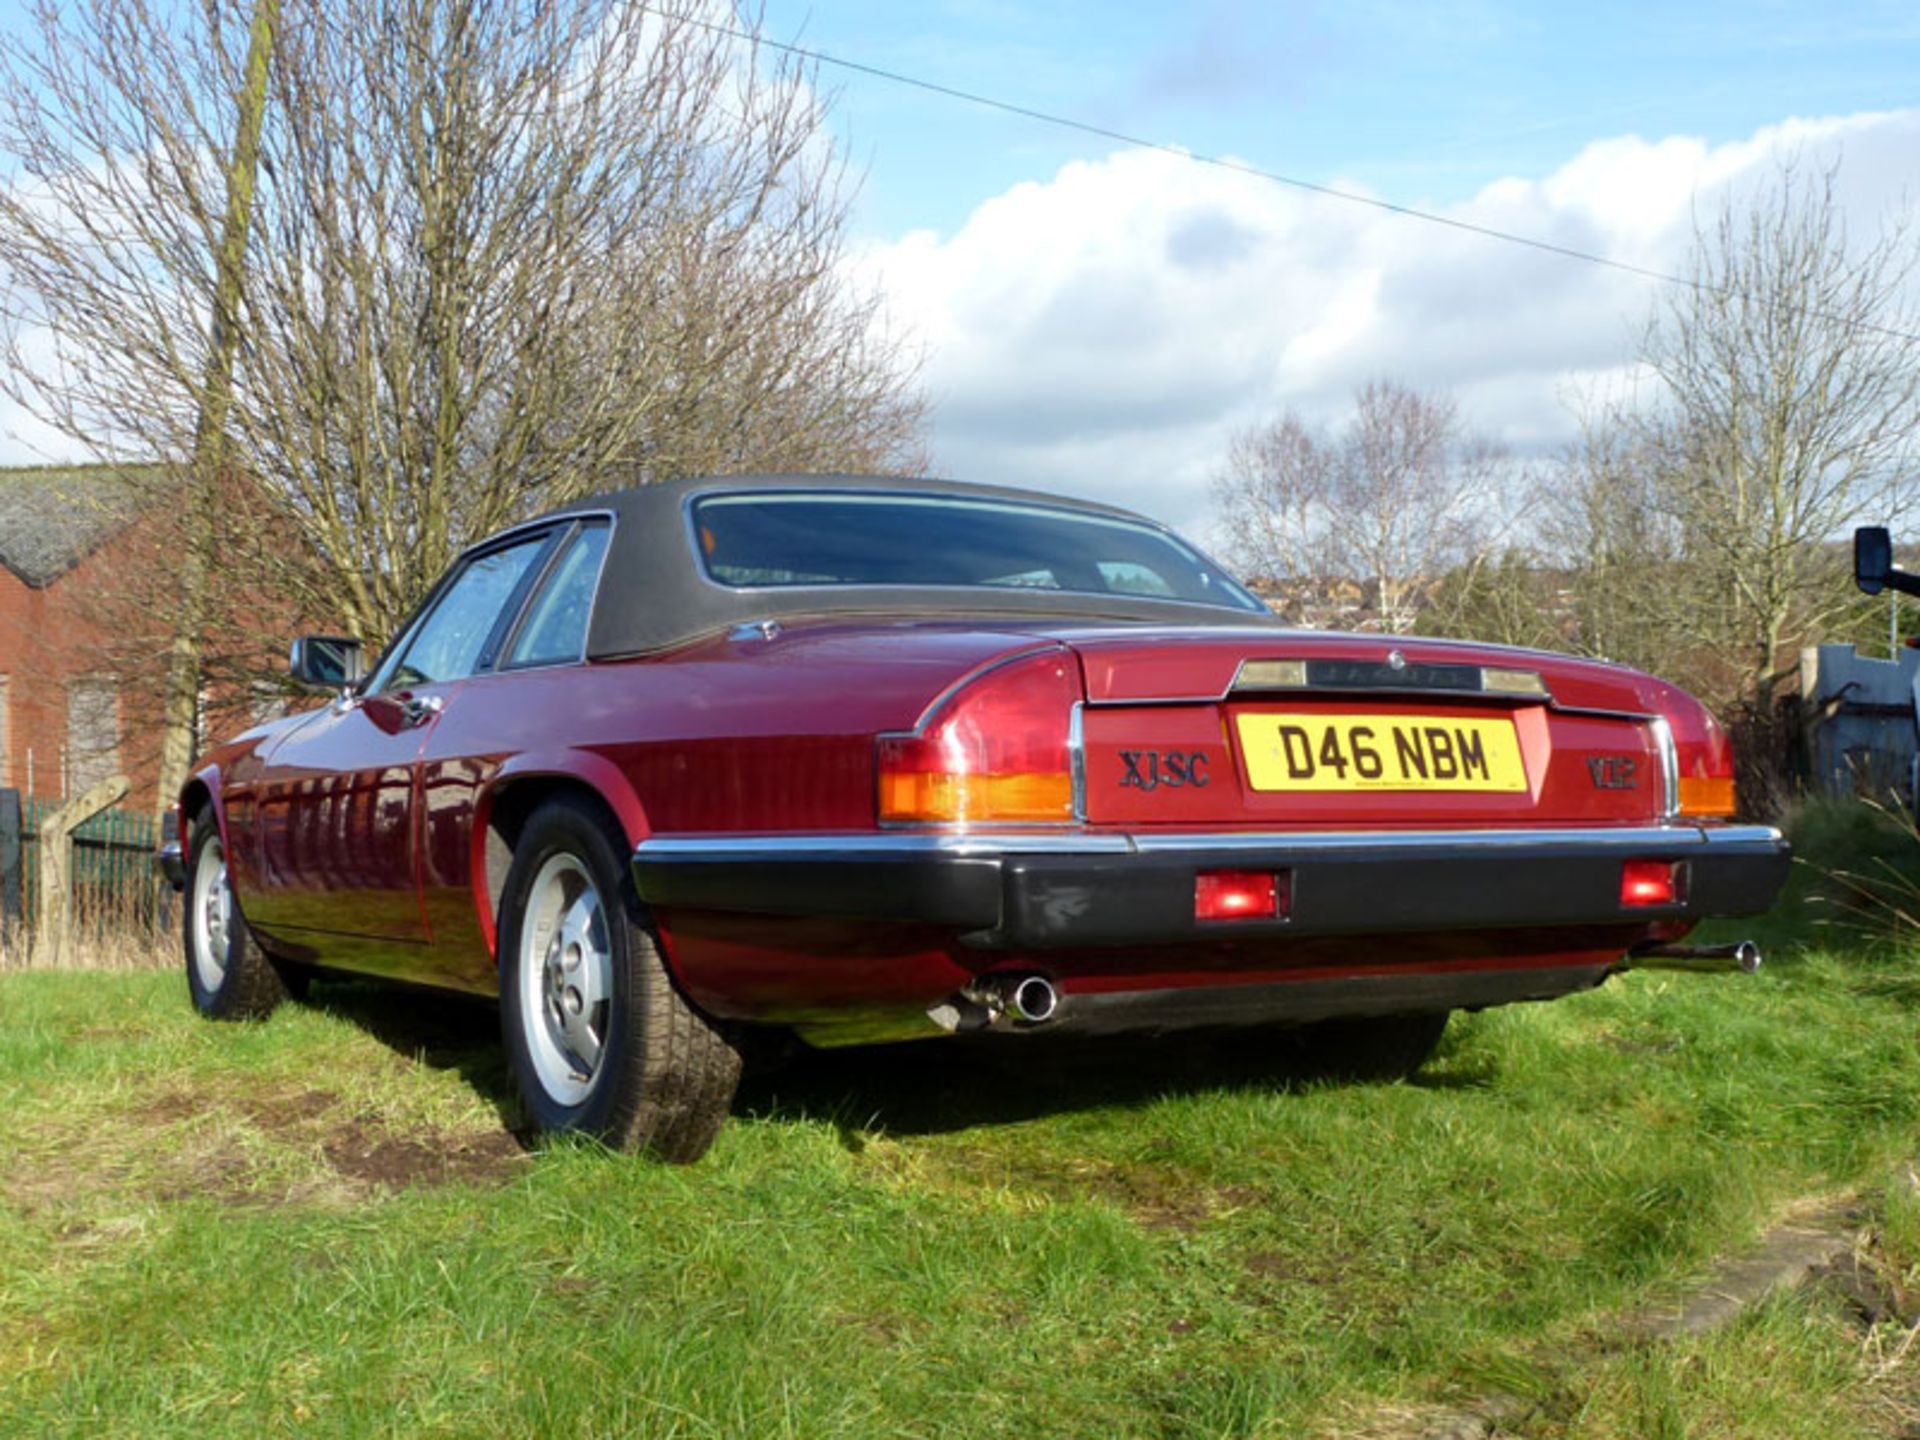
555	630
451	642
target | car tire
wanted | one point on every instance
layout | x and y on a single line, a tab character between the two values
228	975
601	1041
1376	1050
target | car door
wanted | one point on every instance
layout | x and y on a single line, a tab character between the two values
523	701
338	816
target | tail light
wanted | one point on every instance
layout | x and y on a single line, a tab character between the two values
1703	759
999	748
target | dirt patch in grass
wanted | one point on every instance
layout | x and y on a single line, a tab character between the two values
1872	1287
358	1146
288	1111
223	1173
1326	1271
267	1150
399	1162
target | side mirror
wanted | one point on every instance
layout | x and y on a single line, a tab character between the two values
326	662
1872	558
1873	567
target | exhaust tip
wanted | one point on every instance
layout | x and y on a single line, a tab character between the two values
1741	957
1033	1000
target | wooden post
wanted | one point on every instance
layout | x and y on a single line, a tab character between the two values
53	939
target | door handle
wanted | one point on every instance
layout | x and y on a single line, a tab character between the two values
418	709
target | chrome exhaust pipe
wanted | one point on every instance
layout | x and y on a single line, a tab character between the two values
1033	1000
993	999
1742	956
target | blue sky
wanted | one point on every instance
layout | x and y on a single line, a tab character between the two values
1422	103
1103	320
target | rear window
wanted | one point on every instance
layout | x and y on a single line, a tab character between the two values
835	538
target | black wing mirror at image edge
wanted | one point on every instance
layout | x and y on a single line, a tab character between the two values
1873	567
327	662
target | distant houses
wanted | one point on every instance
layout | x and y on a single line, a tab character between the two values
1330	602
70	714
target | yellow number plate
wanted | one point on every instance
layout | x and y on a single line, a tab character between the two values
1380	752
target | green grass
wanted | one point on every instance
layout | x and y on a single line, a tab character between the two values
315	1226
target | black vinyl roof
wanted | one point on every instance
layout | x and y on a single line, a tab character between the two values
655	592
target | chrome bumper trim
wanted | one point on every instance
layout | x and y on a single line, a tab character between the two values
1103	842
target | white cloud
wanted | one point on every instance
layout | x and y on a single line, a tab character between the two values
1105	332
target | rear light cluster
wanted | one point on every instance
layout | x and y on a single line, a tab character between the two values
998	749
1703	756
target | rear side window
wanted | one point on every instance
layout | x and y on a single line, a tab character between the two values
555	630
833	538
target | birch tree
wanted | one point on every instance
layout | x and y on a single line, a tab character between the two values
1788	411
1398	496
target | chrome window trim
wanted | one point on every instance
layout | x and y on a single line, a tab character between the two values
905	490
578	526
379	680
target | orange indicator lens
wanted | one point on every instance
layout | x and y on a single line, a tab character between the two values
1706	795
921	795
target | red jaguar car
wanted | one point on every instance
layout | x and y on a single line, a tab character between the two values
864	760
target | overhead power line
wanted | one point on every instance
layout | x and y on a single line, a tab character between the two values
1239	167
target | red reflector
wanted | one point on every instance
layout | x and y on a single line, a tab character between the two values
1649	882
1240	895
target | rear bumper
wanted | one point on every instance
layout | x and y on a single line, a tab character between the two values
1037	891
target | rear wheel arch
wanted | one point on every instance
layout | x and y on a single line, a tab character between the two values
507	804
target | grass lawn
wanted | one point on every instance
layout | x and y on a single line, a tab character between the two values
322	1225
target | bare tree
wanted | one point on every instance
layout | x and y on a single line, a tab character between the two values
1788	410
1509	596
1400	495
532	250
500	255
1635	593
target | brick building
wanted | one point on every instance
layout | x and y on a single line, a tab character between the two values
68	717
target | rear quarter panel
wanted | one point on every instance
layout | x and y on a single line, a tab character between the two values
725	735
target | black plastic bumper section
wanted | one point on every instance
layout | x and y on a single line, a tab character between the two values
172	868
1025	891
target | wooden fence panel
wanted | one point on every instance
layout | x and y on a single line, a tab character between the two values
112	874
